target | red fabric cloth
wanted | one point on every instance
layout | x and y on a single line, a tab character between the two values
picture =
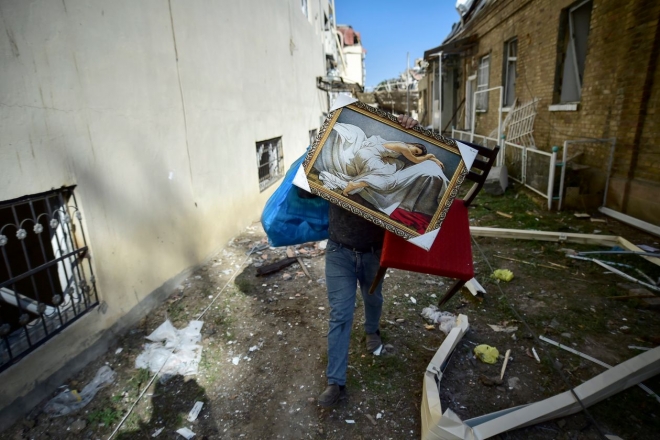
415	220
449	256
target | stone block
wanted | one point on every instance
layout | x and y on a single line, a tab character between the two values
497	181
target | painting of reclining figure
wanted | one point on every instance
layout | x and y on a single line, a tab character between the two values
403	180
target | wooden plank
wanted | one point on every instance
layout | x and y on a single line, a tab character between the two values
631	247
521	234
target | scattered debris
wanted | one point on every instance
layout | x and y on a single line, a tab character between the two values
490	381
119	350
445	320
157	432
350	422
413	300
506	361
618	272
596	361
371	419
304	268
438	425
277	266
532	264
536	356
500	328
186	433
258	248
378	350
502	274
486	353
194	412
173	351
69	401
503	214
636	347
474	287
581	215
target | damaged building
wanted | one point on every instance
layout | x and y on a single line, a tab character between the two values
578	71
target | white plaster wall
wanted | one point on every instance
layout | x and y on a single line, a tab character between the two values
91	94
354	63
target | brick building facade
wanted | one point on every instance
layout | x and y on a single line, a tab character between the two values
592	64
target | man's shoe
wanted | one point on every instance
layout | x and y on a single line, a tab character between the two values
332	395
373	341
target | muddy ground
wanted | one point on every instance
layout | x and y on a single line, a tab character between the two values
271	392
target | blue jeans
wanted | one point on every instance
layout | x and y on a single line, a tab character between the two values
344	268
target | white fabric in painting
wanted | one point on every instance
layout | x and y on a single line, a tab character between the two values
348	155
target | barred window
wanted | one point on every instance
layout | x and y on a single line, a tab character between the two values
46	277
270	162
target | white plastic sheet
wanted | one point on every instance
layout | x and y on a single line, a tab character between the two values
173	351
69	401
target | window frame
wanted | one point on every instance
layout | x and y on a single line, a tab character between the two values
481	103
567	56
275	165
508	61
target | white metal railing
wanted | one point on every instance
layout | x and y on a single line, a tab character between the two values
526	165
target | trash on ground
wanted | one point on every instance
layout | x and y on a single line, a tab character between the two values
350	422
536	356
636	347
503	274
194	412
446	320
500	213
486	353
413	300
581	215
490	381
618	272
119	350
378	350
173	351
429	326
186	433
157	432
501	328
276	267
596	361
236	360
371	419
257	248
69	401
506	361
474	287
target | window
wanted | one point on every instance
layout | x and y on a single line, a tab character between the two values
269	162
510	58
482	83
573	42
46	281
312	136
304	7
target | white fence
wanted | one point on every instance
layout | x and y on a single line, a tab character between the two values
526	165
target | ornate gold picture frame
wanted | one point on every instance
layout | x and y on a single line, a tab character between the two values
403	180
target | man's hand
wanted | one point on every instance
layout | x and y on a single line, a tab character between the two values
407	122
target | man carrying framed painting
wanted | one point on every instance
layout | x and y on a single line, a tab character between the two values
353	257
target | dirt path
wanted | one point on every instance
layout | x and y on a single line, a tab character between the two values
264	349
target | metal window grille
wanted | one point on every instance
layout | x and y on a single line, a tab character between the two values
511	51
270	162
46	277
482	82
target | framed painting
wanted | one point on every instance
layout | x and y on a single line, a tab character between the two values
403	180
